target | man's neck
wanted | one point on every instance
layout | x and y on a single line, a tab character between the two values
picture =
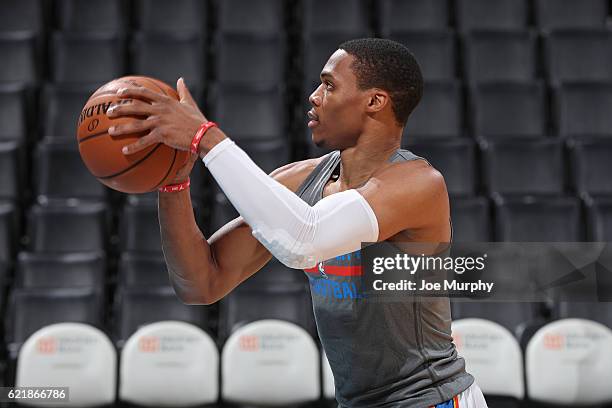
358	163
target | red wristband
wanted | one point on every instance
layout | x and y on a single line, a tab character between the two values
175	188
199	134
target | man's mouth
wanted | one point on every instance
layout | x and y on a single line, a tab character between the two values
314	118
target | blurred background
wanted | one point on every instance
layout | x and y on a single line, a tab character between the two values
516	114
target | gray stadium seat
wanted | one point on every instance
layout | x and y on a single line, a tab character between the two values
11	170
340	16
486	14
13	112
399	15
20	62
139	228
500	56
60	173
22	15
176	16
583	110
555	14
435	51
471	218
578	55
524	167
538	219
137	269
455	159
439	114
591	167
71	270
78	16
61	104
86	57
599	217
8	230
495	108
261	17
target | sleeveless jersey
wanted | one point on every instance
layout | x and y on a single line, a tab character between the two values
381	354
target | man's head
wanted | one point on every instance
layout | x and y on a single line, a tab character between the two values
364	79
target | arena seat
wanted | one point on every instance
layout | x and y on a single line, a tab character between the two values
491	56
168	56
266	54
9	216
329	386
599	219
556	14
139	228
73	355
486	346
61	104
399	15
582	110
578	55
434	50
169	364
86	57
60	173
532	166
486	14
71	270
14	112
267	154
248	377
557	358
22	15
439	114
287	301
138	306
599	312
494	108
590	166
339	16
11	166
32	309
263	17
471	219
78	16
540	219
250	112
138	269
275	275
455	159
177	16
20	58
70	226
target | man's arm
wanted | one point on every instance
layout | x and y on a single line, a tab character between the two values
203	271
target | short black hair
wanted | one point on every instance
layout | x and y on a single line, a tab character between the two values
390	66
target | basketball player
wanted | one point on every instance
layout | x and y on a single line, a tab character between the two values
314	214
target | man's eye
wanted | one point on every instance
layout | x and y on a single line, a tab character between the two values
328	85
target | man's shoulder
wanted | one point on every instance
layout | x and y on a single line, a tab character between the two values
293	174
411	176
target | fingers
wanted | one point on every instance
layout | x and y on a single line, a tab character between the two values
141	92
134	126
183	91
142	143
134	107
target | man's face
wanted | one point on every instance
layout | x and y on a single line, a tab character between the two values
338	106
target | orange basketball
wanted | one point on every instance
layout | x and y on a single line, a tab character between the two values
140	172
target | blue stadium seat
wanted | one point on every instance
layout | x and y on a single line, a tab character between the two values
400	15
556	14
86	57
439	114
435	52
523	167
500	56
455	159
578	55
495	107
486	14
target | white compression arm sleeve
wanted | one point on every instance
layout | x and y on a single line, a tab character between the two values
294	232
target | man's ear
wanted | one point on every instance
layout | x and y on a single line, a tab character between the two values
377	100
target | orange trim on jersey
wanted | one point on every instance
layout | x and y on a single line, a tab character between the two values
456	401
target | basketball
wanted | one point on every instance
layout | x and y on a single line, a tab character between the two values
140	172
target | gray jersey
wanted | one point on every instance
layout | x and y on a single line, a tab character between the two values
381	354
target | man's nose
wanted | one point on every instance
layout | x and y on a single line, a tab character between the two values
314	98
